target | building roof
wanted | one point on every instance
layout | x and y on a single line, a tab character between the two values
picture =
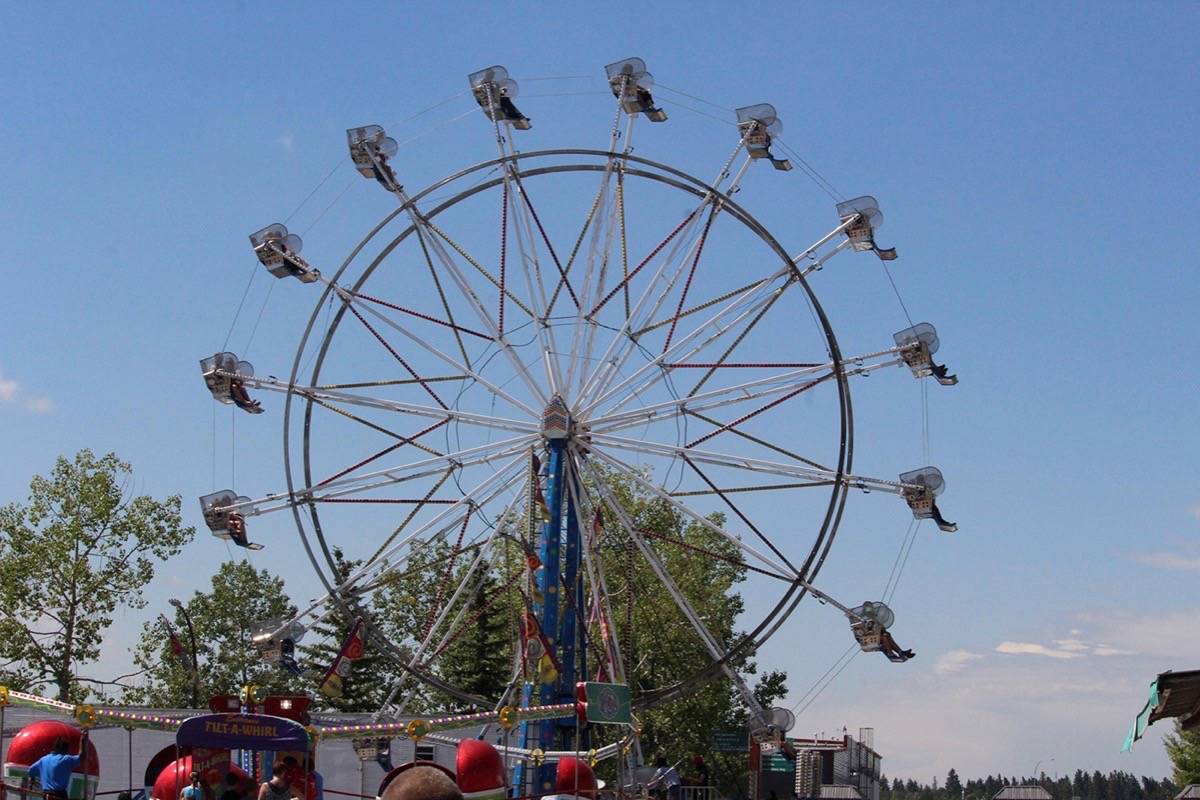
1179	696
834	792
1172	694
1022	793
1191	792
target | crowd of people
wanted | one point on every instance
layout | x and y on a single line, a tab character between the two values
53	771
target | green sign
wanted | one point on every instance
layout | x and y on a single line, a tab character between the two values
730	742
778	762
608	703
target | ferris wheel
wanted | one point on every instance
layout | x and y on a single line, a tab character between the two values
594	359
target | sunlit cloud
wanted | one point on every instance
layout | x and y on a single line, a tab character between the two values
11	391
955	661
1105	650
1032	649
1170	561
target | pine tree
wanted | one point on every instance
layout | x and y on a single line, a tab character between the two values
367	686
1183	747
479	661
954	786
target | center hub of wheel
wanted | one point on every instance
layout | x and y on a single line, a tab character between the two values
556	420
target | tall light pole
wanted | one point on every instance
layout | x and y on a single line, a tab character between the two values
187	620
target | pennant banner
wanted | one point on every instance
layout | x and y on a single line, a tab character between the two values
352	649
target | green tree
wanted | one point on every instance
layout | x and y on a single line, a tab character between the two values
658	645
1183	747
954	786
222	619
480	659
370	677
79	548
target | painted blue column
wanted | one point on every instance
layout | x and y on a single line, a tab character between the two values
550	612
559	550
574	651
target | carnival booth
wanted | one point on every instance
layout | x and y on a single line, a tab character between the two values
36	740
209	741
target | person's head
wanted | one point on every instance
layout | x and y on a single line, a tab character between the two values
231	779
661	762
422	783
291	761
279	770
61	747
194	777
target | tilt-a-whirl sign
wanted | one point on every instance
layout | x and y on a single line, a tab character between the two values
242	732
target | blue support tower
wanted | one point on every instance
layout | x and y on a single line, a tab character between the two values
559	550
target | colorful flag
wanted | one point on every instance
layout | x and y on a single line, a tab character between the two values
352	649
537	647
177	648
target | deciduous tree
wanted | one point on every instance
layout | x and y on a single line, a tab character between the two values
222	619
81	546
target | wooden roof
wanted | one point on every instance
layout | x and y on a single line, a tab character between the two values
1022	793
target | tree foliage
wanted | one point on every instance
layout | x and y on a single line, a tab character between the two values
1083	785
221	620
659	645
80	547
370	677
1183	747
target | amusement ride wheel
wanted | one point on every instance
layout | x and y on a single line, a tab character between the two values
593	360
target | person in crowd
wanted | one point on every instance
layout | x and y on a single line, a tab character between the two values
279	787
194	790
53	770
666	777
422	783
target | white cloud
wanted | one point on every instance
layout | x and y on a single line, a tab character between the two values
1072	645
39	404
1029	648
1163	634
12	392
1105	650
1000	714
287	141
955	661
1170	561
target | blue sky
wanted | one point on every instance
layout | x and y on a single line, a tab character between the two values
1037	165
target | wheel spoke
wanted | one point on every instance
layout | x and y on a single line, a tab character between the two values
431	412
627	471
594	568
370	481
710	642
425	345
385	451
